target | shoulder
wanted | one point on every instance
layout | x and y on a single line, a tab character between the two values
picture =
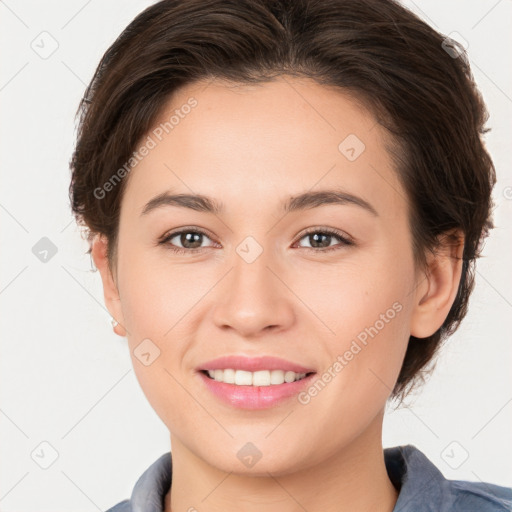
479	496
423	488
122	506
150	489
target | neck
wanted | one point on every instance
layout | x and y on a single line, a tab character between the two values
353	478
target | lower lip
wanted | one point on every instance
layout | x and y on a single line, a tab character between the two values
255	397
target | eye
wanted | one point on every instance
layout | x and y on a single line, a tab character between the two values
191	240
320	239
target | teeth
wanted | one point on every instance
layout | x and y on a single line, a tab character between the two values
259	378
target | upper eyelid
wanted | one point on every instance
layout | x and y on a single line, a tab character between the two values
172	234
331	231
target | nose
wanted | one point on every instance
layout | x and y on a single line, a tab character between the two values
254	299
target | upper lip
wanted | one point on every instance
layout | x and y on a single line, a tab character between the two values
252	364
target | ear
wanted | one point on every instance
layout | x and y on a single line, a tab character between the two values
110	291
438	285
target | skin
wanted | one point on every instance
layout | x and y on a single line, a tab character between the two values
252	147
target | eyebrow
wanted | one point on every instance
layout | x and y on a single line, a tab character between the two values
300	202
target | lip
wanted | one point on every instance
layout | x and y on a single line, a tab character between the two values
254	397
253	364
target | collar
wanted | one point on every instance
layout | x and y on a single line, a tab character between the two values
422	487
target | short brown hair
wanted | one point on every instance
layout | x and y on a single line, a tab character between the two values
375	49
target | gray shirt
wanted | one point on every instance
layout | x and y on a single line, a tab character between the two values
422	487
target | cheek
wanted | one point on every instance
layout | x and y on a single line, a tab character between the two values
166	391
360	292
154	294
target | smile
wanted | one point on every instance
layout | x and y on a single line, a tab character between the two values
257	378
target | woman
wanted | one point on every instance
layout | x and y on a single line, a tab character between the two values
285	201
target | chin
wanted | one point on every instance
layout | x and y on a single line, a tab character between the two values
256	459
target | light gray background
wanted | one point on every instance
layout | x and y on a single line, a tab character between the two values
67	379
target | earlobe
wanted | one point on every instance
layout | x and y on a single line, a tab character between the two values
438	285
110	290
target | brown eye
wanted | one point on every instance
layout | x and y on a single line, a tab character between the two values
321	239
190	240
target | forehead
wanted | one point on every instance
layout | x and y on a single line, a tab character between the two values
252	145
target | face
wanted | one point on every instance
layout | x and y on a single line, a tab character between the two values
327	286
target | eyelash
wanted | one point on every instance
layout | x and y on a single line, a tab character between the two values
345	241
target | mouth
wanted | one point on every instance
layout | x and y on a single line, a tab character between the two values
254	382
257	382
260	378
